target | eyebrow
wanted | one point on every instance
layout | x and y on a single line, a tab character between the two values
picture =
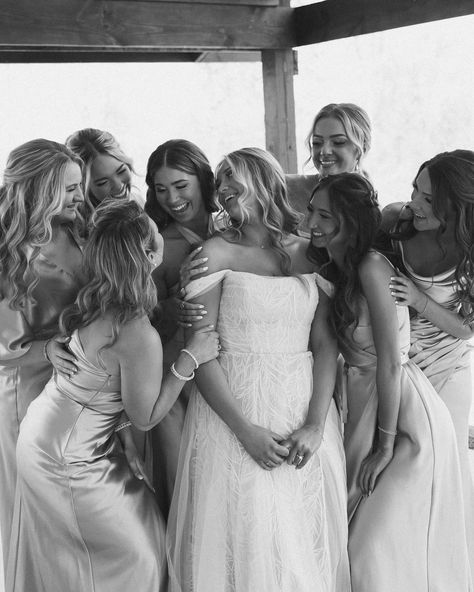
331	136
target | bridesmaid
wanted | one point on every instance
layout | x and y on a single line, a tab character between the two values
181	201
40	274
338	142
108	171
406	529
82	521
435	249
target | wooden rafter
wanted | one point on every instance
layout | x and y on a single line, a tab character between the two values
337	19
144	27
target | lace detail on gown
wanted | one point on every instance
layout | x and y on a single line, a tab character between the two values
233	526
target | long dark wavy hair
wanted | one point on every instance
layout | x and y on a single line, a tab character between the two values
262	177
183	156
452	188
353	203
117	268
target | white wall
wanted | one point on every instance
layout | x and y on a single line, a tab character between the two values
416	83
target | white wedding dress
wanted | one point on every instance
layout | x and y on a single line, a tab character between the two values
234	527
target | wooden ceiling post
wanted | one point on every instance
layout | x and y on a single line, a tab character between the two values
278	69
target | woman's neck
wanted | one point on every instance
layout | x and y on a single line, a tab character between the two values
199	225
255	235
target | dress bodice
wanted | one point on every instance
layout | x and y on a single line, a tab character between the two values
92	386
429	343
359	350
262	314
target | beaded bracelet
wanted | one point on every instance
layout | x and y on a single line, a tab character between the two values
387	431
122	426
192	356
180	376
45	350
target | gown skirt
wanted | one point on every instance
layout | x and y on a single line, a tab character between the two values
408	535
82	522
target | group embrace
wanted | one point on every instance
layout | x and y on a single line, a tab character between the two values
250	381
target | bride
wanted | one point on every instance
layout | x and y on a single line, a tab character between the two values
260	500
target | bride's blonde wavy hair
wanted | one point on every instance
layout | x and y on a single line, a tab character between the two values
117	269
32	194
263	179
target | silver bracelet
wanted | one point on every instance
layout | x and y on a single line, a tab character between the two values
122	426
387	431
192	356
180	376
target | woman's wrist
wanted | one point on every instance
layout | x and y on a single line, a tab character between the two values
422	304
184	365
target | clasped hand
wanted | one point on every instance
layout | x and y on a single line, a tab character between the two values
269	450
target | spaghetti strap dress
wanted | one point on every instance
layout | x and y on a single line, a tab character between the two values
20	383
82	521
408	535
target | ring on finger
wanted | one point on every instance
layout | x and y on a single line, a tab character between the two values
298	458
182	305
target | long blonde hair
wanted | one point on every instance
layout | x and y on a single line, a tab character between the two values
32	194
117	268
262	177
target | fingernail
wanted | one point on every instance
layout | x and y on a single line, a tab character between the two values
205	259
198	318
201	306
205	268
203	312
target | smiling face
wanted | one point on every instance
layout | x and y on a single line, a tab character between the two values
73	195
231	193
332	150
421	203
109	177
323	224
179	194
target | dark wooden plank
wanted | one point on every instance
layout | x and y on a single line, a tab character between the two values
60	56
336	19
107	25
222	2
278	68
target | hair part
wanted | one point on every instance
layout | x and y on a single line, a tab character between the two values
32	194
184	156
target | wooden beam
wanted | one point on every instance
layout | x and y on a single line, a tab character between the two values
119	25
228	2
336	19
278	68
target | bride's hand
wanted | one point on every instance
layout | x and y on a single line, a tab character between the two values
302	444
264	447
